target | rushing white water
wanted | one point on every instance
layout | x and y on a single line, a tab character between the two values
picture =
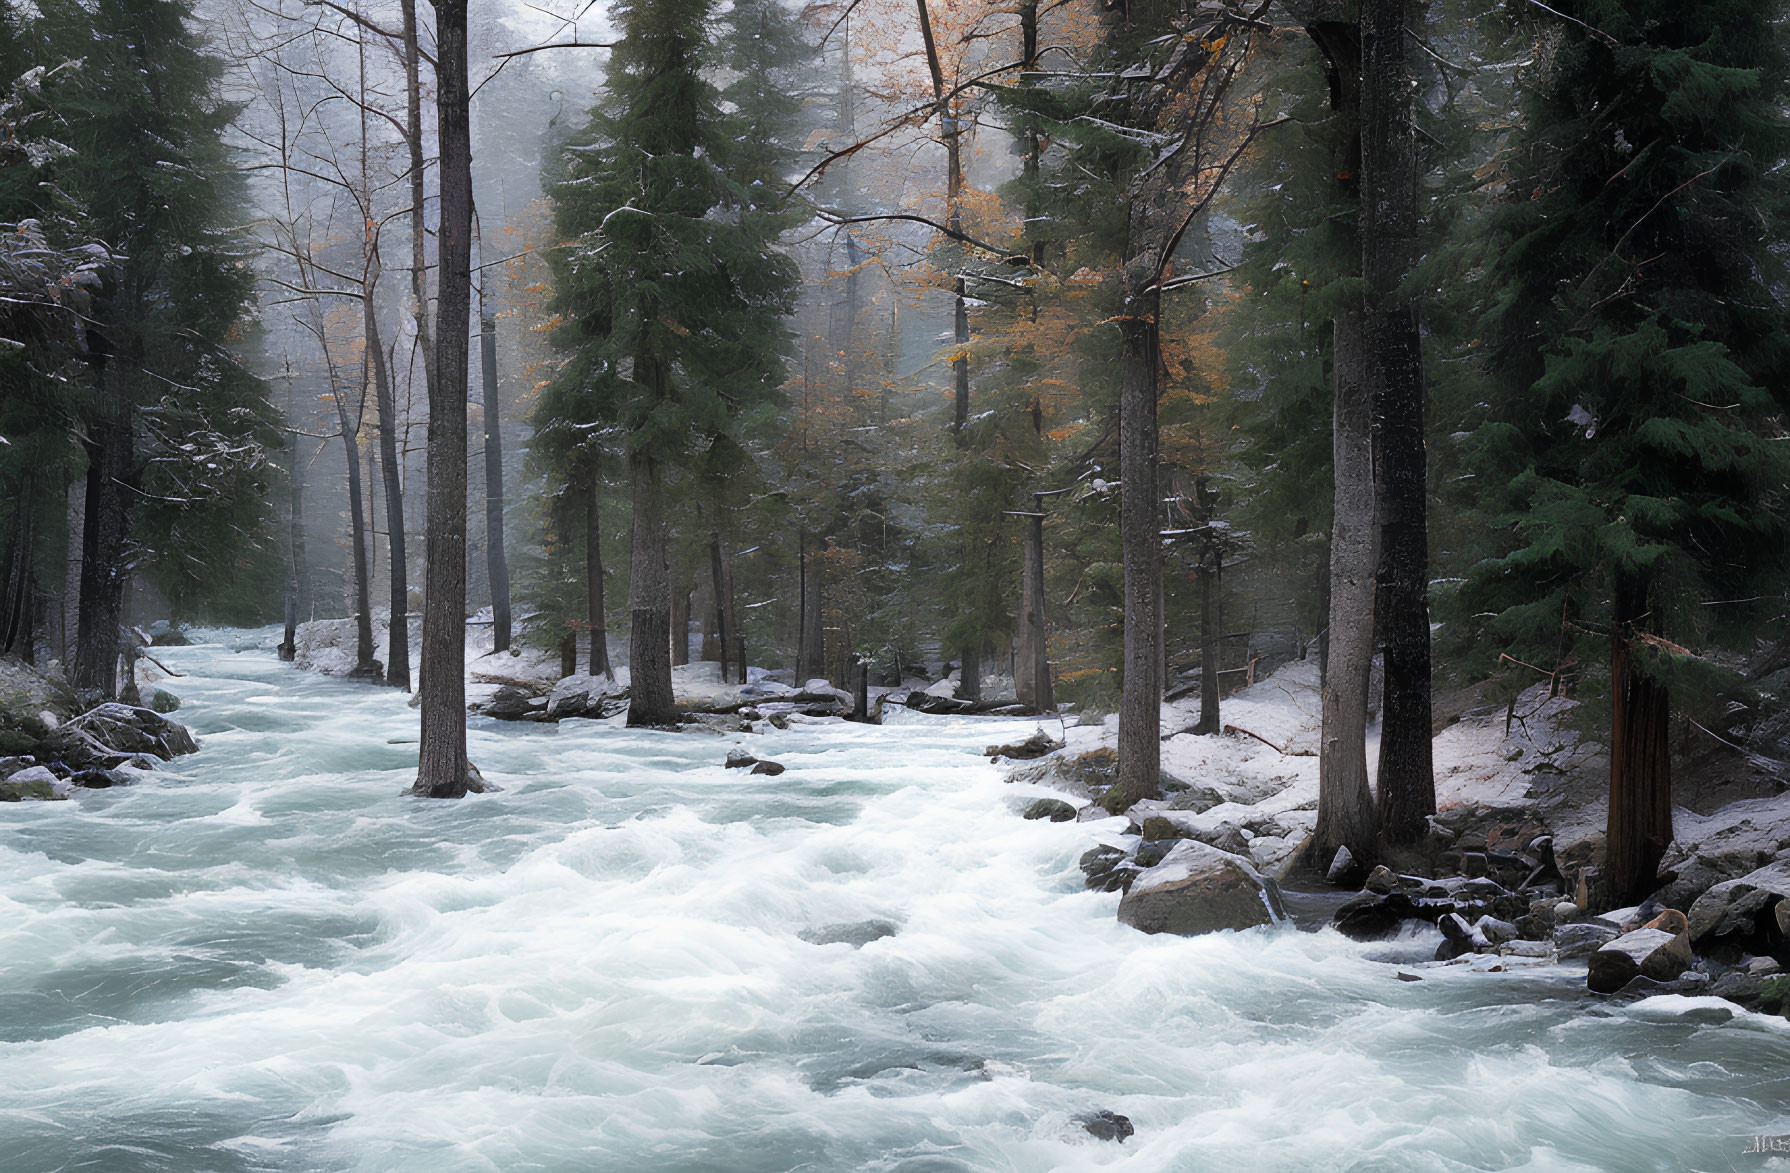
264	958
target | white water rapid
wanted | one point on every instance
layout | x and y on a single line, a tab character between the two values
263	958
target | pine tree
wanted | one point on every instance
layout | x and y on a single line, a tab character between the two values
672	292
1635	334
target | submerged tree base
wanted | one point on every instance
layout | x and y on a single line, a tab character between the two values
471	782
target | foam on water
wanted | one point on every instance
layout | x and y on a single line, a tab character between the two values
264	958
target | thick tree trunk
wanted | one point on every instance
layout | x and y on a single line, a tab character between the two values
397	656
105	530
1345	804
649	601
443	770
288	649
1140	702
969	677
680	627
497	566
1639	826
1394	368
596	611
733	652
568	655
413	139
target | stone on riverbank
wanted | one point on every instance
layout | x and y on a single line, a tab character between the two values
1199	889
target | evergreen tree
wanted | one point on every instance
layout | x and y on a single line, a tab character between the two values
1635	332
672	292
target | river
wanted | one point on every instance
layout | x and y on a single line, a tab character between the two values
263	958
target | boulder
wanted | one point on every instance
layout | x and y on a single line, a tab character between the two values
1344	870
96	779
1106	1125
1742	907
771	768
114	734
1054	809
1035	746
1582	939
739	759
581	695
514	703
1199	889
163	701
1108	868
34	784
1647	952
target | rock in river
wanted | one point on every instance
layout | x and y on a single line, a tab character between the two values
1199	889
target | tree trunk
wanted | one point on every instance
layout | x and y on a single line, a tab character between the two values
1345	804
295	535
860	690
812	661
969	677
497	566
364	663
596	611
649	601
1639	827
105	529
413	139
568	655
1394	369
288	649
397	656
1031	671
1211	642
443	770
726	624
1140	702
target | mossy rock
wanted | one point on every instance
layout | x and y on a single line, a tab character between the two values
32	790
164	701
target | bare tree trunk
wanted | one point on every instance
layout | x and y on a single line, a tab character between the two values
413	139
568	655
1211	643
1140	702
295	534
105	530
1345	805
596	611
1639	826
1031	669
680	627
649	601
497	565
397	657
1394	368
813	660
364	663
726	625
443	770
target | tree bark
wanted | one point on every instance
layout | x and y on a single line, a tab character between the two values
812	660
1032	680
397	657
680	627
596	611
1140	702
1639	826
1394	367
726	624
497	565
1345	804
649	601
295	535
1211	644
105	529
364	664
413	139
443	770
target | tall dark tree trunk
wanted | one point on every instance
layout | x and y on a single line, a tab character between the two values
1031	670
596	611
443	770
568	655
1394	369
969	677
1345	803
497	565
364	664
649	600
105	529
733	654
1639	826
680	627
397	656
295	535
1211	642
1140	701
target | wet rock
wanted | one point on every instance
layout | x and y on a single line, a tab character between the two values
582	695
515	703
1344	871
739	759
1374	916
769	768
1199	889
163	701
112	734
34	784
1108	868
857	934
1740	908
1054	809
1582	939
1035	746
94	779
1650	953
1106	1125
1494	930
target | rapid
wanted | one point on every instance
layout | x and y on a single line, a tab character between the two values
263	958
